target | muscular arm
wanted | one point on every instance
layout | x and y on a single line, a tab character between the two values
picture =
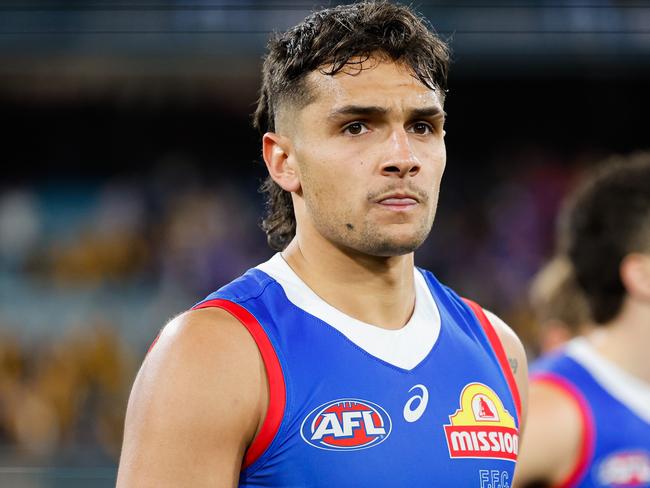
516	359
196	404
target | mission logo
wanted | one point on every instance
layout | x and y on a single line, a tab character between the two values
482	427
345	425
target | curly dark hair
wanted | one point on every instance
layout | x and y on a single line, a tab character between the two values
331	38
607	218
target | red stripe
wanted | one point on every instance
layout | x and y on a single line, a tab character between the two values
499	351
587	420
153	343
277	390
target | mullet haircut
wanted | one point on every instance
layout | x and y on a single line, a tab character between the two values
328	40
607	219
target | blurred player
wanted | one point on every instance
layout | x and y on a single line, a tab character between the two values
561	310
337	362
589	418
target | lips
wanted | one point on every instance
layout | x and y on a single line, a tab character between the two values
398	201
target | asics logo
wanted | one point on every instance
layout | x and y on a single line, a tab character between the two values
421	399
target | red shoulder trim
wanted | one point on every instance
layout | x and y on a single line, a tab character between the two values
588	429
153	343
499	351
277	389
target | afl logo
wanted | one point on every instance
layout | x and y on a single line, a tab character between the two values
347	424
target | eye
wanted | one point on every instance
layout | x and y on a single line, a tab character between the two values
355	128
421	128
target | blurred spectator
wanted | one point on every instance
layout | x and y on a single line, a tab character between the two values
19	227
561	311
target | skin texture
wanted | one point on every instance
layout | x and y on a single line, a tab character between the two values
516	358
202	392
392	150
354	252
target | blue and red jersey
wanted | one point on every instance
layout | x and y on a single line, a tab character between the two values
343	413
615	415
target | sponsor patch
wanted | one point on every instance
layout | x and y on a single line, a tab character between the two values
482	427
625	469
347	424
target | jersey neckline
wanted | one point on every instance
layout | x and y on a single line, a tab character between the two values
404	348
624	387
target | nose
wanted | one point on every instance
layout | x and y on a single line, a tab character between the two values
399	159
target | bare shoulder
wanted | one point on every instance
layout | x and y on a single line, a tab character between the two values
196	404
511	342
196	336
516	355
551	444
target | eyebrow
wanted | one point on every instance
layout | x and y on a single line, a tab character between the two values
357	110
432	111
371	110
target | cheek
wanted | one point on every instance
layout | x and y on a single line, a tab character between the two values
336	193
441	168
438	161
335	173
324	187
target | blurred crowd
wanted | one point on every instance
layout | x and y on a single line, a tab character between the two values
59	397
88	274
90	271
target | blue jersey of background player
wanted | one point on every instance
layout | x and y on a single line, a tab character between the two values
589	416
351	111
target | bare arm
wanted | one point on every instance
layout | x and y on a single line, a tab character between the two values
551	444
516	359
196	404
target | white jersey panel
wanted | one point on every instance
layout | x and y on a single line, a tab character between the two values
404	348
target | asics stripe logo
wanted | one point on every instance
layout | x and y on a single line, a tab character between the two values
421	400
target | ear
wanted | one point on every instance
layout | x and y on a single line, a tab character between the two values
635	275
277	151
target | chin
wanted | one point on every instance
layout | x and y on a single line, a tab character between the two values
391	247
384	241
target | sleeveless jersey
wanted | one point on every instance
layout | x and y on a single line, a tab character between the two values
340	416
615	412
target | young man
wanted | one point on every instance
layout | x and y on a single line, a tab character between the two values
589	418
337	362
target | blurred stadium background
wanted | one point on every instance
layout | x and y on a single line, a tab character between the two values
129	188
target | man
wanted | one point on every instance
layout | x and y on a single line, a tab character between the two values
337	362
589	421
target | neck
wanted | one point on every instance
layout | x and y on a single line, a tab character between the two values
624	340
376	290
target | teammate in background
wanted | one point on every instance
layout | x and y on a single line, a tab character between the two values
337	362
589	418
560	308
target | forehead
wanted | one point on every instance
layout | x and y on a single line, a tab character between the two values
372	82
